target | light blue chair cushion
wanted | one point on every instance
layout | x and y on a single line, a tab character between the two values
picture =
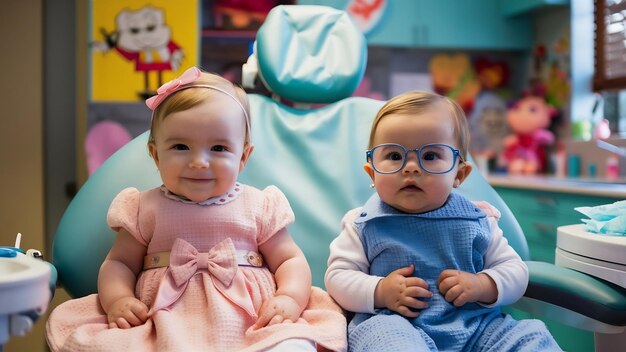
316	158
83	238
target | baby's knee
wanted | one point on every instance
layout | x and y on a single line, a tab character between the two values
535	336
507	334
388	333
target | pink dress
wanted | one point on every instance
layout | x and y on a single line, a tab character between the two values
202	301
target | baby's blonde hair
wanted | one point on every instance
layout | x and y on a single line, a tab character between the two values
414	103
188	98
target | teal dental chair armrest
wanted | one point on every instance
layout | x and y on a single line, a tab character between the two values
594	298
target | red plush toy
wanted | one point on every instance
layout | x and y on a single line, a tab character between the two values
524	152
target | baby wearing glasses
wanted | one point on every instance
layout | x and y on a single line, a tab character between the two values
422	267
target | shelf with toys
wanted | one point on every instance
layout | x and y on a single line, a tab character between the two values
228	30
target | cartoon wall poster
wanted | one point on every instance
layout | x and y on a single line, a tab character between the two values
136	45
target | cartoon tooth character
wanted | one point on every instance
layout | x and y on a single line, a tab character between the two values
142	36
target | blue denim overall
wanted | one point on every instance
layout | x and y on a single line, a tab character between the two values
455	236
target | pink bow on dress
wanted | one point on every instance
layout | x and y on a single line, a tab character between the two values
189	76
221	263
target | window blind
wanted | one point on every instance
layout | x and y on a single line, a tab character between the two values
610	45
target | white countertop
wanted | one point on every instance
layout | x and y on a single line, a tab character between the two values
585	186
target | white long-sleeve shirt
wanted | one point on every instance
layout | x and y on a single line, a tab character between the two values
348	280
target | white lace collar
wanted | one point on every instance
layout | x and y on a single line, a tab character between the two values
222	199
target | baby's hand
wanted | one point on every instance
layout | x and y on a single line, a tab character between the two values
127	312
279	309
460	287
399	291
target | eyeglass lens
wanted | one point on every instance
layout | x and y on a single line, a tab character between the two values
433	158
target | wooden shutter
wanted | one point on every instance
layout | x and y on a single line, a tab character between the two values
610	45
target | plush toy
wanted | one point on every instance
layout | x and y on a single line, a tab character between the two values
488	128
524	151
454	77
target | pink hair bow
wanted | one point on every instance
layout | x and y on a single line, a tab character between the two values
186	80
164	91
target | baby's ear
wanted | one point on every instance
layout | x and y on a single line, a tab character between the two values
464	170
247	150
367	167
153	152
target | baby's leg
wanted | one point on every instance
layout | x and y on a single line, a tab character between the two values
508	334
388	333
292	345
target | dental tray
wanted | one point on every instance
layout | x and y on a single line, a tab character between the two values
598	255
24	291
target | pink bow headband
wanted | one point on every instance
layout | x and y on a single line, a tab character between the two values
185	81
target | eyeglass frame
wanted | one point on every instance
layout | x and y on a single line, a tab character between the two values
455	152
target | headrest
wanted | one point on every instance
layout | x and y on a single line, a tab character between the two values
310	54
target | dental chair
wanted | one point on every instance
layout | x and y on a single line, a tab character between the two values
307	56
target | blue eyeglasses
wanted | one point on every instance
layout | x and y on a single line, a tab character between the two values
432	158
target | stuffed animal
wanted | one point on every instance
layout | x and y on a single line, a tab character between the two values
488	128
524	151
454	77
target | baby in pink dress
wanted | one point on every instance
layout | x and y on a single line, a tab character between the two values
203	262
